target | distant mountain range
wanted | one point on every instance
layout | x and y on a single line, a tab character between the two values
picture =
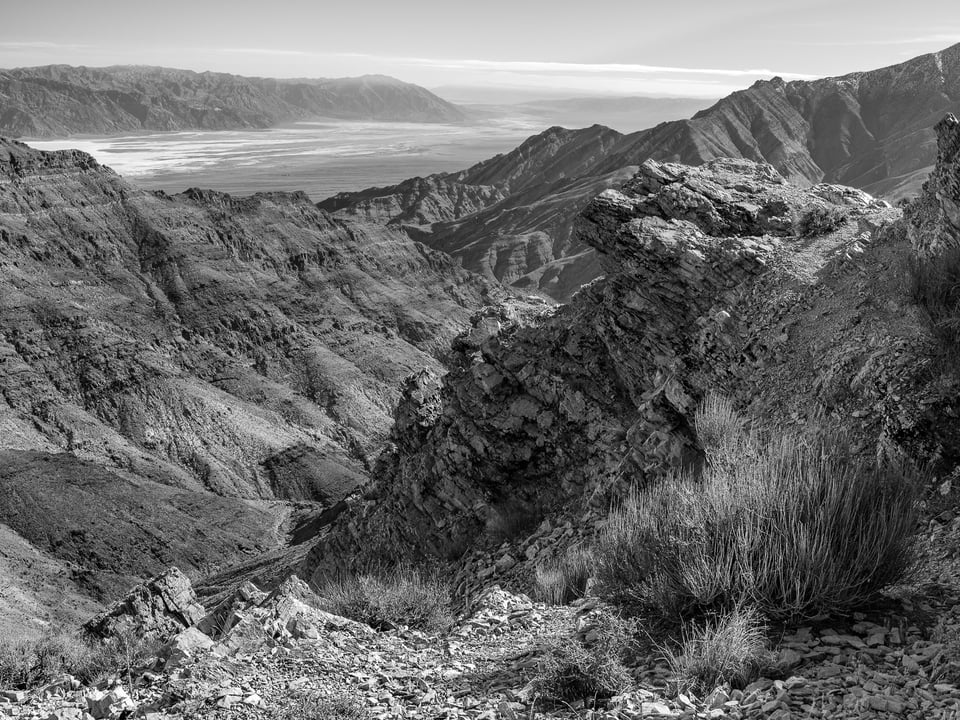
871	130
57	100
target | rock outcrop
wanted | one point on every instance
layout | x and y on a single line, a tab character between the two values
58	100
549	413
933	218
173	370
870	130
160	608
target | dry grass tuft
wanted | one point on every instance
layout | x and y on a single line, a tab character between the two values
337	707
386	599
565	579
729	649
30	663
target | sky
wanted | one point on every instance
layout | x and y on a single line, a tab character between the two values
696	48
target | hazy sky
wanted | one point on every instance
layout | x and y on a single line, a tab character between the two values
672	47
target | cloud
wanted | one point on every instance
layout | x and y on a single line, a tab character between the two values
38	45
568	68
948	38
526	67
271	52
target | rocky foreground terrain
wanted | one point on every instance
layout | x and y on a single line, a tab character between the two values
870	130
58	100
190	380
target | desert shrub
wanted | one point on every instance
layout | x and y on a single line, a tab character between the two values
795	526
722	431
336	707
947	633
570	669
819	220
731	648
388	598
28	663
935	286
564	580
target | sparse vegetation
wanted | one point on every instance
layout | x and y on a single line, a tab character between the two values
795	526
337	707
564	580
389	598
729	649
947	633
29	663
819	220
571	670
935	286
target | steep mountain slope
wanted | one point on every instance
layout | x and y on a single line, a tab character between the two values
869	130
62	100
157	352
509	217
548	414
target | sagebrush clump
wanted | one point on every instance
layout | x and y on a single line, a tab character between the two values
794	526
388	598
819	220
571	669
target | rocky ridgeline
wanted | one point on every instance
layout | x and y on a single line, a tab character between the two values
933	219
272	655
551	412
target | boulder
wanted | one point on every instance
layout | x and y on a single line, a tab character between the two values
161	607
185	646
109	703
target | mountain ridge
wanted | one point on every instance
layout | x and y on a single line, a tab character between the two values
867	129
58	100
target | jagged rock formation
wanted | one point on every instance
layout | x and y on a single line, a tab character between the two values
933	219
57	100
161	607
173	367
551	412
870	130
